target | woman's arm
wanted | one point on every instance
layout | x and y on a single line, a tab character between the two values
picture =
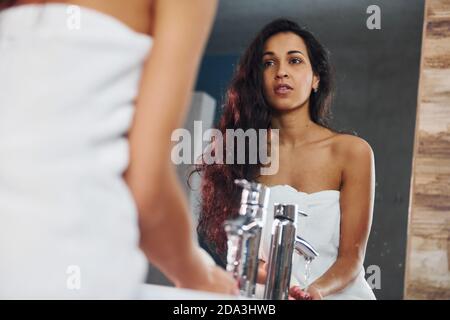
356	202
168	244
181	29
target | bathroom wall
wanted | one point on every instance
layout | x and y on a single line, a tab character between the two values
428	274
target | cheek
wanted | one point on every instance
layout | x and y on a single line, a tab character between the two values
305	77
305	81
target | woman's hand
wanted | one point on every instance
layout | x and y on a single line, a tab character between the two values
205	275
296	293
219	281
312	293
262	272
215	280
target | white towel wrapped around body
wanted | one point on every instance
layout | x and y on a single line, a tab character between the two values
68	223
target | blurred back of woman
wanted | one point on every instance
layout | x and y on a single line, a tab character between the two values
85	123
136	14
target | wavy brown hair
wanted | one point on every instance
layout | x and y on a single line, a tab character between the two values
246	107
7	3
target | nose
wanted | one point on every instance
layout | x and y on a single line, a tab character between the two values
281	73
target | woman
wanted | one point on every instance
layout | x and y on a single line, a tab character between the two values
83	84
283	81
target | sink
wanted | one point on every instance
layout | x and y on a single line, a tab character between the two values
158	292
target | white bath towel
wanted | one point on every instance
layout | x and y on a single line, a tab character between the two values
321	228
68	223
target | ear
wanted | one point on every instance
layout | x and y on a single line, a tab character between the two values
316	81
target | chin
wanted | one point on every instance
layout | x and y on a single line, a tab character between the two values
282	107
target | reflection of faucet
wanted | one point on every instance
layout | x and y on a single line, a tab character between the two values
302	247
244	235
280	253
284	243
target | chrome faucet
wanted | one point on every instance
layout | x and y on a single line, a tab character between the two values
284	243
302	247
244	235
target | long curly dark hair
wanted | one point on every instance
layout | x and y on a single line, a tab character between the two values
4	4
246	107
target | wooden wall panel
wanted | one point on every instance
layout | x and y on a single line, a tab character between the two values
428	255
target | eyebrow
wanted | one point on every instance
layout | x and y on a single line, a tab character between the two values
270	53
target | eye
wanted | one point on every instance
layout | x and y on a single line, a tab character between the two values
268	63
296	60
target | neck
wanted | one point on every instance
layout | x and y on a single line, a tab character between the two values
295	126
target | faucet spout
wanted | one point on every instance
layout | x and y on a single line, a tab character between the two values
304	248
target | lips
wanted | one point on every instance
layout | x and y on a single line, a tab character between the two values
282	88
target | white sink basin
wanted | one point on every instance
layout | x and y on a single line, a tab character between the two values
157	292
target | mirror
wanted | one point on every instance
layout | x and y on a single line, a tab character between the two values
376	54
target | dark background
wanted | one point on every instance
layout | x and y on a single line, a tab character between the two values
377	73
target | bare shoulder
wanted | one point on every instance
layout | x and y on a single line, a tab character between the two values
350	149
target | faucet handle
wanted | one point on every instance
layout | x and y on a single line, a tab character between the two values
242	183
249	185
303	213
253	193
285	211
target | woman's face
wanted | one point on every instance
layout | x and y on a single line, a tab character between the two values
288	74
